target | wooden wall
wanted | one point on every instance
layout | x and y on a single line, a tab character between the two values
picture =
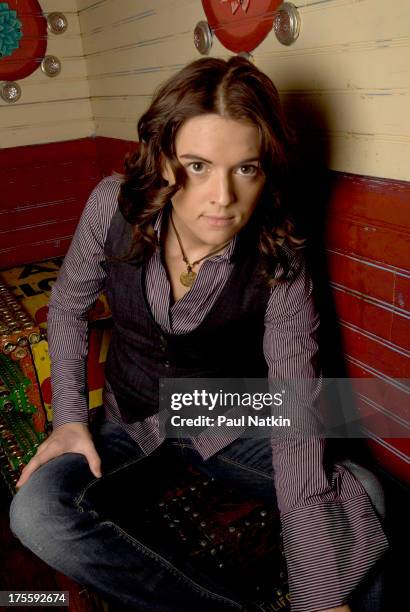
43	192
44	189
130	48
52	109
366	247
345	81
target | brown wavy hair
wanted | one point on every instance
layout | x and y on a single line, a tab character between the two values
234	89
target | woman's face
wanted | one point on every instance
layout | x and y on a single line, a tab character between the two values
224	182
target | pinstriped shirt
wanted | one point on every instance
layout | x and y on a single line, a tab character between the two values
329	545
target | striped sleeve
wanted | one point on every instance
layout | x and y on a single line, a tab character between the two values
76	290
332	536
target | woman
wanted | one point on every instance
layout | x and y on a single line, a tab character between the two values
204	278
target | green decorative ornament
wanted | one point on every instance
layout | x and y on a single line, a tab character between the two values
10	30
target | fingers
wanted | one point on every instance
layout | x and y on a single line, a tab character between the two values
94	461
46	453
31	467
56	445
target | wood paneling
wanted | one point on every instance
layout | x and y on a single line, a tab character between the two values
391	397
130	49
361	275
366	234
344	82
371	317
372	200
44	190
393	455
52	109
111	153
372	351
378	243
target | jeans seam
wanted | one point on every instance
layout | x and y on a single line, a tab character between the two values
180	444
246	468
147	551
79	498
170	567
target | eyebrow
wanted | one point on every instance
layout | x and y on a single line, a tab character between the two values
193	156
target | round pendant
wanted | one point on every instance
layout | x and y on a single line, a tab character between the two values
187	278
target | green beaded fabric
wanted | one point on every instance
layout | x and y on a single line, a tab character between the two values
10	30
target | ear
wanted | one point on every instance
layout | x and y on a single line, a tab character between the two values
166	171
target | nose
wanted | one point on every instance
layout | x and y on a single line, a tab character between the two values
223	189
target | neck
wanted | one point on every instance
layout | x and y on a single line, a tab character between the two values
193	248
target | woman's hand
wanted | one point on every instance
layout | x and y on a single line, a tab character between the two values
68	438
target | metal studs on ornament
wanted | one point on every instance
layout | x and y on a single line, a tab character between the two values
56	23
246	55
51	65
203	37
286	23
10	91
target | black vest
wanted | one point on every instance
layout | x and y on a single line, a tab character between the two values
227	344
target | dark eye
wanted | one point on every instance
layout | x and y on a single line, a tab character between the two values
248	170
197	167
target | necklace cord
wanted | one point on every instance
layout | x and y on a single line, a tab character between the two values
184	256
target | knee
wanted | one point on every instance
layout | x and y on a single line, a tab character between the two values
29	513
43	504
25	518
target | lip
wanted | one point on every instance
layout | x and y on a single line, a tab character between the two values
218	221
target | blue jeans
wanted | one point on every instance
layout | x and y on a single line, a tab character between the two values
53	515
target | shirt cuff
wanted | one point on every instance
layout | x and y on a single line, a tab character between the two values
329	549
69	392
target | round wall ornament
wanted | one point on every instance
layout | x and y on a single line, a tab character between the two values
51	65
240	25
10	92
286	24
203	37
23	54
57	23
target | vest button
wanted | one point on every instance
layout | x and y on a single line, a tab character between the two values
167	364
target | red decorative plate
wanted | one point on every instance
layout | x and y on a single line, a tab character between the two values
33	44
240	25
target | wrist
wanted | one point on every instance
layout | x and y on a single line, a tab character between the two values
343	608
73	425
